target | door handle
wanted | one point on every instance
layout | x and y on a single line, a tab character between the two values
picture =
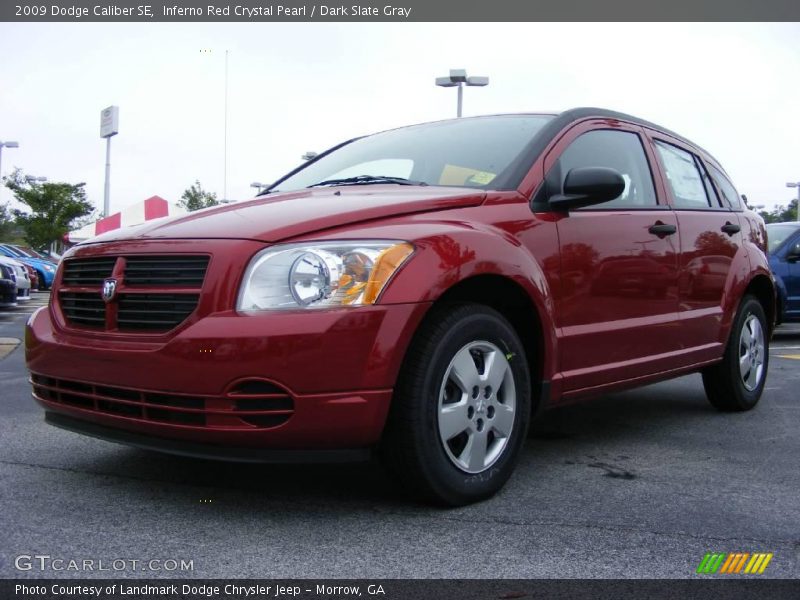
662	229
730	228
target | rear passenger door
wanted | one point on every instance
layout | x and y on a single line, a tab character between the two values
710	237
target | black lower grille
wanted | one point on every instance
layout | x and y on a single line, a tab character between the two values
269	408
154	312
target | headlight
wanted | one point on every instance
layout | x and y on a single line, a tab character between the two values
323	275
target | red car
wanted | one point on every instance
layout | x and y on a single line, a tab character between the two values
421	292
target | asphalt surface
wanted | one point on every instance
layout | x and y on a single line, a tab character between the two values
639	484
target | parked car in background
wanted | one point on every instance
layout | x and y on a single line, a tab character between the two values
21	275
8	287
420	292
28	251
32	276
784	259
45	268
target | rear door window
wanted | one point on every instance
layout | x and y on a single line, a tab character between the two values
685	180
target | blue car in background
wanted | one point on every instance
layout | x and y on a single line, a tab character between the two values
784	260
44	267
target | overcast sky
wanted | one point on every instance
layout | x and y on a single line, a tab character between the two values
732	88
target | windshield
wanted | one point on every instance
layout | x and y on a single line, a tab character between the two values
777	233
463	152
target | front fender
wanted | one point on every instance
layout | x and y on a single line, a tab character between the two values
456	252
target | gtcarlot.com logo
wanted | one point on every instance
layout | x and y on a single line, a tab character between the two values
45	562
734	563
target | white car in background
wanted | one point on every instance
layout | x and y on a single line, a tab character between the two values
23	281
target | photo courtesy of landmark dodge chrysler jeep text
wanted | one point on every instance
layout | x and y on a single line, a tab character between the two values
420	292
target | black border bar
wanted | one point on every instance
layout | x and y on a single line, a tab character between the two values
363	11
733	588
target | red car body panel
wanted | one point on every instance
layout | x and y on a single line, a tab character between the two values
613	301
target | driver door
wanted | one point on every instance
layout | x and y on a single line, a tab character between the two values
618	312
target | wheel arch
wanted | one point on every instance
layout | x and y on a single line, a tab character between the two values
763	289
512	300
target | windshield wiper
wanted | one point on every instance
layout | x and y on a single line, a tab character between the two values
367	180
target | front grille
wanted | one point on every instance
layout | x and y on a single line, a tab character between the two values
83	309
87	271
156	306
154	312
185	271
269	408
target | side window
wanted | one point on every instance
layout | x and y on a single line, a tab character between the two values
726	188
618	150
686	181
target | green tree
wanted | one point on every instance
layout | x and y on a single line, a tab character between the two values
8	228
195	198
781	213
54	208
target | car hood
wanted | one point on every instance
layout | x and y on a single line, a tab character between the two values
285	215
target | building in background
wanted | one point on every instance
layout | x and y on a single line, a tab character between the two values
154	207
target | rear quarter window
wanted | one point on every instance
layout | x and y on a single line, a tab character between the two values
725	187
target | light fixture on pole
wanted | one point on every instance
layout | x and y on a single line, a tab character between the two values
458	78
109	127
796	184
35	179
6	145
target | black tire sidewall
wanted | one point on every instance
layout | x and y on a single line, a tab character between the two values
450	482
747	398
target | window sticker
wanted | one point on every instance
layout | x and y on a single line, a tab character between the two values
454	175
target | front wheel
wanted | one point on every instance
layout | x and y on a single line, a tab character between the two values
737	382
461	408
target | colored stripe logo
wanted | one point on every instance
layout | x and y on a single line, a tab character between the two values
734	563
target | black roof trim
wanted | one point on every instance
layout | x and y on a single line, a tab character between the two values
578	114
515	173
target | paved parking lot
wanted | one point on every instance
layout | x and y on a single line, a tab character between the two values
637	484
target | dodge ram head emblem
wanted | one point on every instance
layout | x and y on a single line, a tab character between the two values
109	289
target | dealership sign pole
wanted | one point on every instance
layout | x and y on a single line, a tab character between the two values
109	126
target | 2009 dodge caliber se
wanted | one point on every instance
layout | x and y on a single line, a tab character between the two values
422	292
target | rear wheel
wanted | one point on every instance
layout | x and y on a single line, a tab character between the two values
460	412
737	382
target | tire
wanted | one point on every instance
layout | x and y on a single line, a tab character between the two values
729	386
460	411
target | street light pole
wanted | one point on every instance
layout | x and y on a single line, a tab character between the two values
458	78
796	184
6	145
225	141
109	127
258	185
107	187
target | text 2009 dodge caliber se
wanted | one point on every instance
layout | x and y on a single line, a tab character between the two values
421	292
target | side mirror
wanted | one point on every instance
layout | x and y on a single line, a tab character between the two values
585	186
794	254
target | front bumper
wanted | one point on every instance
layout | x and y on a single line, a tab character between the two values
327	378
